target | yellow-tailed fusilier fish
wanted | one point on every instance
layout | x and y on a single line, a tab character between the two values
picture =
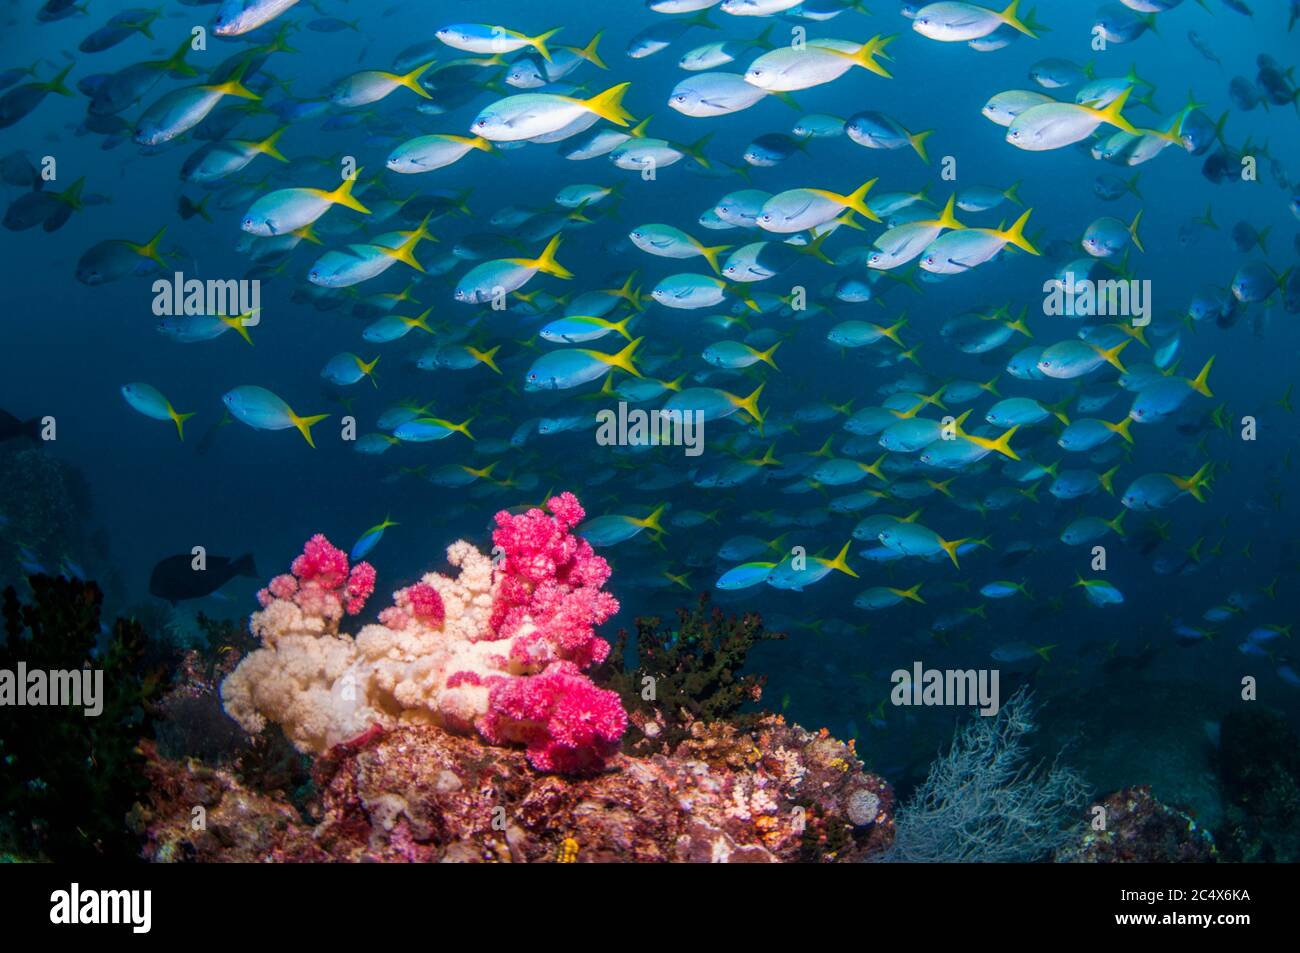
581	328
21	100
875	130
1057	125
147	400
815	63
531	70
263	410
286	210
714	404
529	115
426	429
484	38
883	597
797	210
342	268
1155	491
757	8
1108	236
734	355
372	85
666	241
217	160
182	109
617	528
689	292
188	328
639	153
705	95
709	56
966	248
1165	395
1073	358
901	244
346	369
237	17
492	279
913	539
116	258
1002	108
573	367
951	22
798	572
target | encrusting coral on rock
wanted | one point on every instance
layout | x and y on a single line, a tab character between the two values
498	650
774	793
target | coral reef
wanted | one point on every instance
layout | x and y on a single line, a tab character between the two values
696	668
1139	829
1259	768
418	793
70	778
440	733
498	651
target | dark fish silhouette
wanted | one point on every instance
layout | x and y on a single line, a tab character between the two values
175	579
12	428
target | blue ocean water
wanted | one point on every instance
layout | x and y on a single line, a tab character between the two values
1126	685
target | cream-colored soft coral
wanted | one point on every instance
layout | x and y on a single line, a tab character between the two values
323	687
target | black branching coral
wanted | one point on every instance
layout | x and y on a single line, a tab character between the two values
70	779
677	675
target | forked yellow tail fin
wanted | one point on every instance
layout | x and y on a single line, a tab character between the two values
609	105
343	195
304	425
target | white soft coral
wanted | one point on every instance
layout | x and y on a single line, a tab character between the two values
324	687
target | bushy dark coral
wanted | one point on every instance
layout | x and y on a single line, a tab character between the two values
269	762
70	779
1259	768
190	719
696	667
192	723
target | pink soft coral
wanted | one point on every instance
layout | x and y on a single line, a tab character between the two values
418	603
549	601
567	723
550	590
320	582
